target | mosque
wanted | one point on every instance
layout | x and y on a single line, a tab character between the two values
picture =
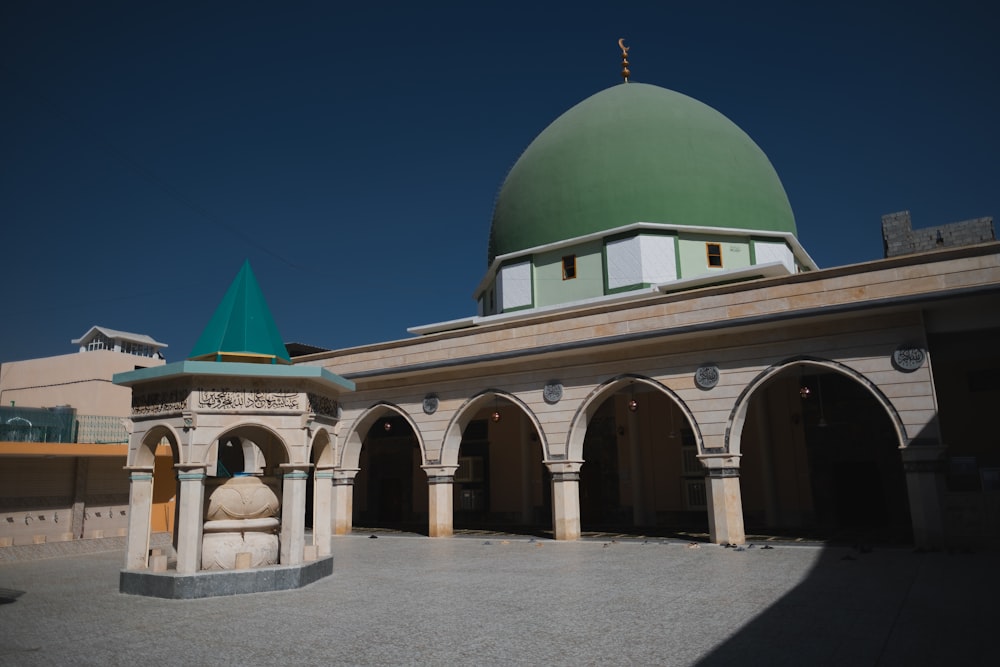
653	352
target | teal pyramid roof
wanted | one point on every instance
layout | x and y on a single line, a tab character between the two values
242	327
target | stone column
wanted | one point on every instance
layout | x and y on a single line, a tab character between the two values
343	500
924	468
440	500
565	499
140	507
725	502
322	510
190	516
293	513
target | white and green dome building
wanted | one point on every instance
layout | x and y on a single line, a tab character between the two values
636	189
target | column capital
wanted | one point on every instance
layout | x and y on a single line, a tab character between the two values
295	470
720	461
558	467
917	451
344	476
187	472
439	474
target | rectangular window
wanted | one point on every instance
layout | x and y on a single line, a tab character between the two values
714	251
569	267
100	342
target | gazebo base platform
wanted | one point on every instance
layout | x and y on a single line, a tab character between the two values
218	583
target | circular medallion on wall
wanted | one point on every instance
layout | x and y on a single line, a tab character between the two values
552	392
430	404
706	376
908	358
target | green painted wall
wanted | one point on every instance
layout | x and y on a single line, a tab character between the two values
694	258
551	289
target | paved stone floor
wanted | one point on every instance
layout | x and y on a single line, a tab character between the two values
490	600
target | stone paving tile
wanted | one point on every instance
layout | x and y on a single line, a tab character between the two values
492	600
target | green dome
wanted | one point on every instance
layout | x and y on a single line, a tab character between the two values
636	153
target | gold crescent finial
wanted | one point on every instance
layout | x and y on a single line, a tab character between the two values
625	70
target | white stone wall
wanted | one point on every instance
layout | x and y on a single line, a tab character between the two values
514	286
642	259
767	253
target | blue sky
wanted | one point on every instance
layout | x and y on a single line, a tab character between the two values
352	153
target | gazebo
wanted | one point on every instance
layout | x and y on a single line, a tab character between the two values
247	431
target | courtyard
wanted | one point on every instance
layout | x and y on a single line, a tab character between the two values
490	599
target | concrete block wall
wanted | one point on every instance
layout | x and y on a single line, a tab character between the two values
62	498
899	237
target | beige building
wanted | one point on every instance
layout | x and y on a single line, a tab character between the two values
82	380
62	440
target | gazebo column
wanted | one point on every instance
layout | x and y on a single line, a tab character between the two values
322	510
293	513
565	499
440	500
343	500
190	519
725	502
140	507
924	468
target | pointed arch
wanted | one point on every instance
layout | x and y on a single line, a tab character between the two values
600	393
456	427
738	416
350	454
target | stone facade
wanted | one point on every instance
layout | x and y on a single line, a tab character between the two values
868	324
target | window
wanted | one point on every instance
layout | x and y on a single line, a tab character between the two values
569	267
138	349
714	251
99	342
470	469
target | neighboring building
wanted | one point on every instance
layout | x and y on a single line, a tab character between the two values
654	352
81	381
62	440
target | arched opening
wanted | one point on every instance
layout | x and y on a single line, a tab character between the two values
501	482
821	460
247	450
163	446
640	470
390	489
320	454
243	498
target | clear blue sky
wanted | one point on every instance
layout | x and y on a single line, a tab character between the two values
353	151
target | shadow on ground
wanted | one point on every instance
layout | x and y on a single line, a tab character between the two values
902	607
